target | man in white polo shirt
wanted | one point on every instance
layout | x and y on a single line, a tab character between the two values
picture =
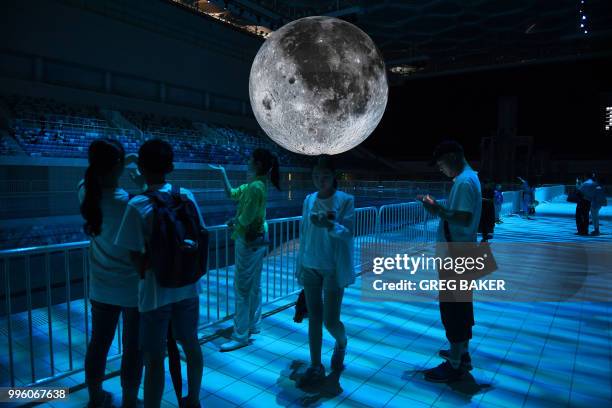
459	221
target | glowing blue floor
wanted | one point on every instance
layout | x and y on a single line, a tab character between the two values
525	354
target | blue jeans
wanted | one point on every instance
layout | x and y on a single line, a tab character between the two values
104	318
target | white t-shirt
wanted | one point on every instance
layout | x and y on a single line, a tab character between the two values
318	250
113	279
465	195
588	189
134	233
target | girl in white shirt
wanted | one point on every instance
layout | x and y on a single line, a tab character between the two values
325	265
113	280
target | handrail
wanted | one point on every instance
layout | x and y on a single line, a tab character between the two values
83	244
402	222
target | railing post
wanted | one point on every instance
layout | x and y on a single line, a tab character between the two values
28	283
49	312
7	288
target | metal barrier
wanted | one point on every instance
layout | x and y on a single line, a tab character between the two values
512	199
512	202
548	193
44	313
40	297
403	223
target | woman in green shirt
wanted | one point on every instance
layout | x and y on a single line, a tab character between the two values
249	232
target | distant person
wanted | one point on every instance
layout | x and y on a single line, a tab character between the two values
459	221
498	199
528	197
599	200
584	190
159	305
113	279
593	191
250	234
325	265
486	225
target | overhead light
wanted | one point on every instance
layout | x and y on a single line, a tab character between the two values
405	69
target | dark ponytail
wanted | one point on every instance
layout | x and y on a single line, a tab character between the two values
104	155
269	163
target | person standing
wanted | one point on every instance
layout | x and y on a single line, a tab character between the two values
585	192
487	218
250	232
459	221
160	306
113	279
325	265
594	192
498	197
528	197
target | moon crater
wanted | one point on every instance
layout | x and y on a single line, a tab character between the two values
318	85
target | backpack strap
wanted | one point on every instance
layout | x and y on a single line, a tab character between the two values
157	197
175	192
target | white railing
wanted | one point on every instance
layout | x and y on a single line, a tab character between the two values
44	300
438	189
547	193
512	202
46	307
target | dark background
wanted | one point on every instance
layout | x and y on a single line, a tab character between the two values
561	105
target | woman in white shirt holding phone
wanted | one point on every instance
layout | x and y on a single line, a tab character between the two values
325	265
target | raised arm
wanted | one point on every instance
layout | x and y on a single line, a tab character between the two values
226	184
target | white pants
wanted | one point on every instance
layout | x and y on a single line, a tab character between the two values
247	287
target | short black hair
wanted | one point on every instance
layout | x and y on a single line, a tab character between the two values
156	156
444	148
326	162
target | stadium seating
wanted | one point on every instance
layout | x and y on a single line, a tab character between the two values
48	128
20	237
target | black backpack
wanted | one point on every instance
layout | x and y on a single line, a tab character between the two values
178	249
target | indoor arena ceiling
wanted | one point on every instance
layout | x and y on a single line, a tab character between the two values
421	36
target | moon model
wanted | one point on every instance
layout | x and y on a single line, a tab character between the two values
318	85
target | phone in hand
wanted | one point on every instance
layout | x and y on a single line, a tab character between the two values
426	199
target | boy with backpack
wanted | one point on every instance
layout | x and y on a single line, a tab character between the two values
164	231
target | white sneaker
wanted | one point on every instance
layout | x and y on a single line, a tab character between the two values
232	345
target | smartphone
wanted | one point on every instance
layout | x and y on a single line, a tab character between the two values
331	215
425	199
